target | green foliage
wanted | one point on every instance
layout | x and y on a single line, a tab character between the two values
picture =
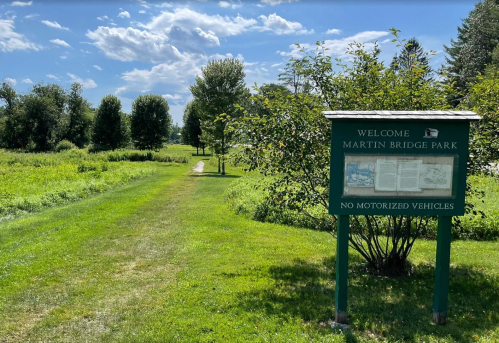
150	123
42	122
13	121
293	79
473	49
65	145
141	156
39	120
79	117
31	182
217	92
289	139
483	98
175	134
412	56
191	131
110	125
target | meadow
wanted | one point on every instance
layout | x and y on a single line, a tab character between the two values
163	259
30	182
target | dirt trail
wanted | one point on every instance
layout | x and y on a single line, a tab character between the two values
199	167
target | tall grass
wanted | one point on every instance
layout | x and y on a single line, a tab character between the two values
249	197
30	182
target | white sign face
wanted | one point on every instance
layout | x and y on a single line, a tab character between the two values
416	176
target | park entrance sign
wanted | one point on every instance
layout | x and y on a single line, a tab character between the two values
398	163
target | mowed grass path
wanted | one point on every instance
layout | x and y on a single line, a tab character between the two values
163	260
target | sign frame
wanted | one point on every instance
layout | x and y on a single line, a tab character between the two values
421	136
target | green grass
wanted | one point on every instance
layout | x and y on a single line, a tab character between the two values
30	182
162	259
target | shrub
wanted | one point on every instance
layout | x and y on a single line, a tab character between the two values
65	145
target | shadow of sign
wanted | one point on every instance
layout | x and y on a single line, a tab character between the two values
396	309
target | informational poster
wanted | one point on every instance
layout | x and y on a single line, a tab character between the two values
435	176
359	174
426	176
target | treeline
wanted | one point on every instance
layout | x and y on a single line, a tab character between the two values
52	118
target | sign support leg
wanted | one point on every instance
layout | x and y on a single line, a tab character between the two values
341	269
442	270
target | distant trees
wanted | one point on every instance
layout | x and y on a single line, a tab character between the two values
473	49
110	125
175	134
35	121
293	79
217	91
151	123
411	56
191	131
79	117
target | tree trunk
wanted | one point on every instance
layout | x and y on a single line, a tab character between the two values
203	151
197	150
223	167
219	164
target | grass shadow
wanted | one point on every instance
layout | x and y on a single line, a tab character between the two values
392	309
215	174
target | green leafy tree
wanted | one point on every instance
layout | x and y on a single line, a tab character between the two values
13	133
472	51
151	123
110	129
292	78
191	131
483	98
43	122
412	55
79	117
290	141
175	135
217	91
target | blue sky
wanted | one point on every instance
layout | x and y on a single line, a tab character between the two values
133	47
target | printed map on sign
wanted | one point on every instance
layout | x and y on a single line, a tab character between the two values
360	174
434	176
395	175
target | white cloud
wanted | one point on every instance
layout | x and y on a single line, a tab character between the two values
53	77
337	47
11	41
27	81
131	44
142	12
88	83
124	14
60	42
97	67
276	2
21	3
281	26
333	32
163	5
189	19
227	4
102	18
172	97
31	16
54	24
63	57
10	81
120	90
181	74
276	65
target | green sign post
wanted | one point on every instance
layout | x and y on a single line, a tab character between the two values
398	163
